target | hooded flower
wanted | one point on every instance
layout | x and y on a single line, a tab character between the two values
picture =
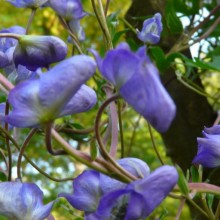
56	93
23	201
7	46
139	198
39	51
209	148
151	30
68	9
132	201
71	11
27	3
138	82
91	185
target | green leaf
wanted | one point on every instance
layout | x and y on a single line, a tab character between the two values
210	199
187	8
159	57
172	20
194	174
3	177
182	182
117	36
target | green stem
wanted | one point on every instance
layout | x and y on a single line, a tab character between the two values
206	208
154	144
103	23
106	7
23	148
135	126
217	213
75	39
196	206
129	26
33	12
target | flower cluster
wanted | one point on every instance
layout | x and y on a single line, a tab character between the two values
101	197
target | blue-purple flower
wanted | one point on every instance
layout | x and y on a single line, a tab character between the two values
7	46
208	153
23	201
68	9
71	11
151	30
56	93
39	51
27	3
138	82
132	201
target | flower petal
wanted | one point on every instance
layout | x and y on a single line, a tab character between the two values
156	186
86	192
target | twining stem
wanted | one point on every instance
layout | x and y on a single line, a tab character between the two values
75	39
8	145
102	149
33	12
113	123
11	35
48	143
182	43
121	130
154	144
30	162
4	81
78	155
22	150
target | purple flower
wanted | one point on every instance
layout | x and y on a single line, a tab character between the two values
151	30
7	46
39	51
71	11
209	148
134	166
91	185
139	198
68	9
27	3
135	200
54	94
138	82
23	201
